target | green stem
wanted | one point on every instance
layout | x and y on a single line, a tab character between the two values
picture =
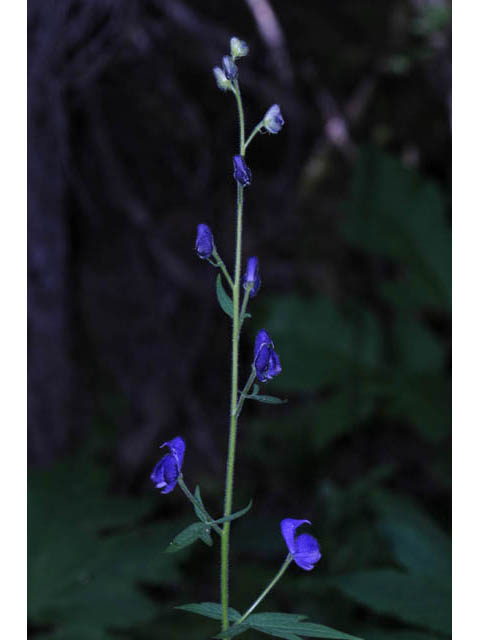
225	541
270	586
245	391
222	266
257	129
246	296
195	502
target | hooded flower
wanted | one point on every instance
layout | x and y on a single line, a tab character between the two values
266	361
166	472
230	69
238	48
221	79
241	172
273	120
204	243
304	548
252	276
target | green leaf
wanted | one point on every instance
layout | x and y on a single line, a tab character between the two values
82	579
236	515
210	610
266	399
201	515
188	536
416	541
414	599
223	298
206	537
233	631
396	213
276	619
285	623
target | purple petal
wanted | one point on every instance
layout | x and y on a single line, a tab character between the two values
177	447
308	551
274	367
262	339
158	474
288	527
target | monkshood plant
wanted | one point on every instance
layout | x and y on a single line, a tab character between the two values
234	294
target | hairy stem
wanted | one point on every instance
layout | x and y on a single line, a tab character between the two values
270	586
225	541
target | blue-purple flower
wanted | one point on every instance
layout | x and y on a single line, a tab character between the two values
252	276
304	548
273	120
241	172
266	361
204	243
166	472
230	69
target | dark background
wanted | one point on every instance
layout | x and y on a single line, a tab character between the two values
130	146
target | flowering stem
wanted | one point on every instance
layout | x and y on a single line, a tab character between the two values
200	506
245	391
270	586
246	296
224	569
221	264
257	129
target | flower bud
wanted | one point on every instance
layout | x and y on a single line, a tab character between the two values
273	120
252	276
238	48
229	68
204	243
222	81
241	172
265	360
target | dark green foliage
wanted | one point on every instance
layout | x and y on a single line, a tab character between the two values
82	581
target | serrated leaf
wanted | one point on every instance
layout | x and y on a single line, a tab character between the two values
282	624
278	633
223	298
186	537
210	610
201	515
276	619
266	399
236	515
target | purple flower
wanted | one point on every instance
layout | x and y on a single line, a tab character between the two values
252	276
304	548
166	472
204	243
273	120
241	172
230	69
266	361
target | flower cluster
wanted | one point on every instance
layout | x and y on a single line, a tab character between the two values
303	549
